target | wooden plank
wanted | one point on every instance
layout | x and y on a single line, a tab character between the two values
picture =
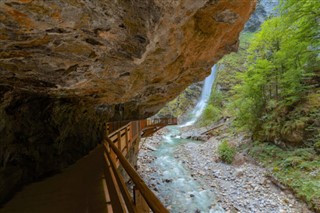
116	204
115	132
123	142
153	202
114	158
119	140
115	183
123	131
143	123
141	204
114	138
127	140
123	188
130	132
108	128
124	152
107	195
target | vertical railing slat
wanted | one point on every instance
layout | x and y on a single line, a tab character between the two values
118	143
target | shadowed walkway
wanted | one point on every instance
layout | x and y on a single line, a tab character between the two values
82	188
78	189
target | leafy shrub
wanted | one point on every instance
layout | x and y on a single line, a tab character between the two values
310	166
297	168
226	152
316	147
305	153
292	161
210	115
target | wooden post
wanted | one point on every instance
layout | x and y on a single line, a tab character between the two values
140	202
153	202
117	206
127	202
126	135
144	199
119	140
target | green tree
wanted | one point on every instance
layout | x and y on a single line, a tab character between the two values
282	59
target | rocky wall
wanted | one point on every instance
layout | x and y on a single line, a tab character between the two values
41	135
69	66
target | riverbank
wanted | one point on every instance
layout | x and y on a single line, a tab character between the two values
240	187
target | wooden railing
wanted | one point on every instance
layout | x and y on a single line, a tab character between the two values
120	198
166	121
158	121
150	126
114	126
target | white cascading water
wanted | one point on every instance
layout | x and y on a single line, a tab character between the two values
205	95
175	184
177	188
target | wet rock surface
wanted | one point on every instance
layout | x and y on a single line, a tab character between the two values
240	187
139	53
69	66
181	105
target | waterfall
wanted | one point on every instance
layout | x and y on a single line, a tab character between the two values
205	95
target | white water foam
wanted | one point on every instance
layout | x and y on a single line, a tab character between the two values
203	101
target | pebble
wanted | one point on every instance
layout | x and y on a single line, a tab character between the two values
243	188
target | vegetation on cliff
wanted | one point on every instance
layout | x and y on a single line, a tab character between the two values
183	103
281	73
226	78
226	152
271	89
296	168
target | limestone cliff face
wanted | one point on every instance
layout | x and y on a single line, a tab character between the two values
183	103
137	53
67	66
264	10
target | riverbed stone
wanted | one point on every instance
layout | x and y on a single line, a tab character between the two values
238	188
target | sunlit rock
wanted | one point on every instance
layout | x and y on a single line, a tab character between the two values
68	66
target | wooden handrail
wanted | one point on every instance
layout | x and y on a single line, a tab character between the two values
153	202
150	126
122	186
117	130
118	144
166	121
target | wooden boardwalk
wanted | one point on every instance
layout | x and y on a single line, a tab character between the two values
78	189
83	188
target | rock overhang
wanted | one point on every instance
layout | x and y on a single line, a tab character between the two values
69	66
139	53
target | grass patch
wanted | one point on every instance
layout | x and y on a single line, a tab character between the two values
226	152
297	168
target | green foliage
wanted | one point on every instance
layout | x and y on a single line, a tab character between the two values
180	104
305	14
226	152
316	147
216	98
282	61
297	168
225	80
210	114
292	161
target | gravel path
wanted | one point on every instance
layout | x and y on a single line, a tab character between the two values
242	187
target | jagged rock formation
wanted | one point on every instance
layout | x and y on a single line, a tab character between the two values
67	66
264	10
183	103
188	98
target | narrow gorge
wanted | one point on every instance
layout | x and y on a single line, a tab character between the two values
255	145
68	67
159	105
